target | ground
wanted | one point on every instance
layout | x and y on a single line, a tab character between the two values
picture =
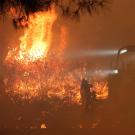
117	111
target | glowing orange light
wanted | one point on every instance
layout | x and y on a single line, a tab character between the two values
102	89
36	72
36	41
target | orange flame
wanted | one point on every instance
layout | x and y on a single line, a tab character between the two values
102	89
36	41
34	72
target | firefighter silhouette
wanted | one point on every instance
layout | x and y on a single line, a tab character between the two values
85	93
88	96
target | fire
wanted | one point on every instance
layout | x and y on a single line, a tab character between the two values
36	41
36	71
43	125
102	89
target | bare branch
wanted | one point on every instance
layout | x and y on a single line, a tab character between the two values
70	8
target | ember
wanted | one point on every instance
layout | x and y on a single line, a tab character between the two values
43	125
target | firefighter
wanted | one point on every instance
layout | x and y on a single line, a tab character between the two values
85	93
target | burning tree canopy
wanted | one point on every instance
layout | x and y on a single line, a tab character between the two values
21	9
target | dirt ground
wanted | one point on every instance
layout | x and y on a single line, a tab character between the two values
115	112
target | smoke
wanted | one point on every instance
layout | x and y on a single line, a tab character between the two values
94	40
110	30
101	35
9	37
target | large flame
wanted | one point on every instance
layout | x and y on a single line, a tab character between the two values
36	41
36	71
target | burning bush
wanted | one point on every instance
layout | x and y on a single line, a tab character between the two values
35	71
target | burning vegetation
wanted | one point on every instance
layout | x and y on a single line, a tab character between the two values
35	71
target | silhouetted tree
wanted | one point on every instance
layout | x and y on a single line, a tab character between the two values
21	9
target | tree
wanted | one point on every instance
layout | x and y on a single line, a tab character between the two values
21	9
